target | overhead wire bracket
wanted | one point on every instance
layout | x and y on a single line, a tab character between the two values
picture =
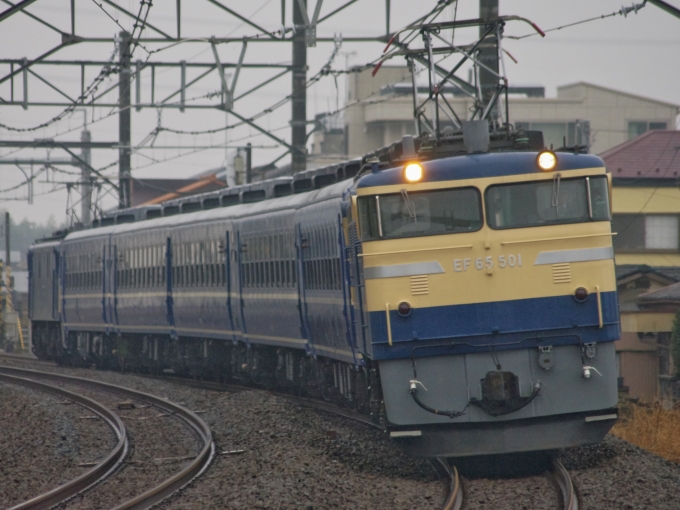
310	26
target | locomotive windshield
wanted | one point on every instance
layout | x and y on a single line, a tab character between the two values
421	213
532	204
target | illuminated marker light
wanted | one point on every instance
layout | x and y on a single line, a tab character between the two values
413	172
546	161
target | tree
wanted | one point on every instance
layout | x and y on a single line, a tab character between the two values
675	344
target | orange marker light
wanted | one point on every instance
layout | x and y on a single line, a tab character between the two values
413	172
546	161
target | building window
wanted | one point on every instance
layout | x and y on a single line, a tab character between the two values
638	232
661	232
636	128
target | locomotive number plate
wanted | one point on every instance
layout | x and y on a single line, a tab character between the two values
501	261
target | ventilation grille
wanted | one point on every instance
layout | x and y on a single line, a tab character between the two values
419	285
561	273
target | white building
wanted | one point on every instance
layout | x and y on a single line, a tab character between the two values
380	112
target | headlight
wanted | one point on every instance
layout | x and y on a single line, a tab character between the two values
546	160
413	172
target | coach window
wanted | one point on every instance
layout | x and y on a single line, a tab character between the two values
189	265
180	264
195	266
421	213
181	257
128	269
131	269
148	267
177	265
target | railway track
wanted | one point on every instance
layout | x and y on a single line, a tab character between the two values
489	481
453	487
561	475
150	497
98	473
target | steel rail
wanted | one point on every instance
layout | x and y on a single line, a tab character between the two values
93	476
170	485
454	499
561	475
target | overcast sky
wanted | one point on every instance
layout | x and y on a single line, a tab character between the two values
636	54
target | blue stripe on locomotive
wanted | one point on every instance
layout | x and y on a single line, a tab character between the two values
516	324
477	166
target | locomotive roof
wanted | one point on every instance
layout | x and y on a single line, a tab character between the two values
476	166
232	212
43	245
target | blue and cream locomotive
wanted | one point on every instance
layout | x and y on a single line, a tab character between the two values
466	300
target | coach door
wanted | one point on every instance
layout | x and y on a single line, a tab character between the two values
169	283
109	288
356	272
301	286
56	306
231	280
237	282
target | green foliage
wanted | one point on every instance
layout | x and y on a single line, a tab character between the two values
675	344
24	234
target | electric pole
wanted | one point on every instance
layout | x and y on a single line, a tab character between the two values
488	55
124	122
249	163
7	261
85	177
299	101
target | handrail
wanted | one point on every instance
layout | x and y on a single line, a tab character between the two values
397	252
557	238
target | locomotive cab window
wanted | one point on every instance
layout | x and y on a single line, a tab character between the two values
553	202
421	213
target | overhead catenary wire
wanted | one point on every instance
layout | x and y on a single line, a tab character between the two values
103	74
324	71
621	12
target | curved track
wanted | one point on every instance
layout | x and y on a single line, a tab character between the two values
170	485
569	498
95	475
454	497
454	500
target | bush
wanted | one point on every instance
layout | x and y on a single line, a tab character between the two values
675	344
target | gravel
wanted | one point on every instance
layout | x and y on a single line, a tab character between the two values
159	447
42	443
293	457
277	454
527	493
618	475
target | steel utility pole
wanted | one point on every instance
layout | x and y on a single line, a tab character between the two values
124	122
249	163
299	102
7	261
85	177
488	55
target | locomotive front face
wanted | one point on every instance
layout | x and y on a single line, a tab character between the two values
489	281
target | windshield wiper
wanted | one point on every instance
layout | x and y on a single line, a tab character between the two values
556	191
410	206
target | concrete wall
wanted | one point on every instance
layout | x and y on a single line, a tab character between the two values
640	374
